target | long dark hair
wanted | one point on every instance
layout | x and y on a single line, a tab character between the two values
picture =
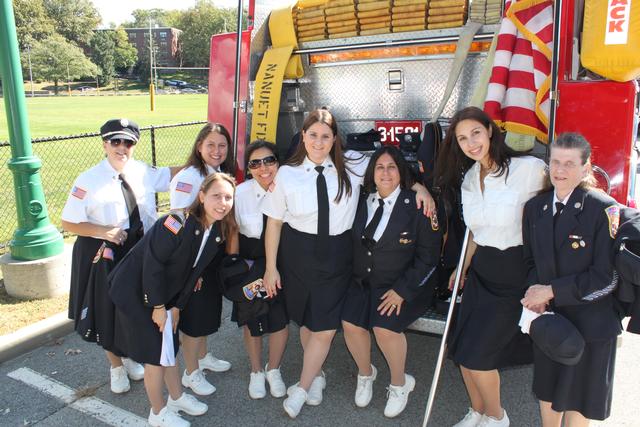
228	225
452	163
256	145
406	180
196	160
325	117
572	140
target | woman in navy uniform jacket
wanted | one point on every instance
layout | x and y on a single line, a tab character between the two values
569	269
395	250
155	281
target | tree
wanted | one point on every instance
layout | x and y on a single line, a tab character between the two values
126	54
74	19
55	59
103	49
198	24
32	22
160	17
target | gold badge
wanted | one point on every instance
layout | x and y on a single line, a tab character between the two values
575	245
404	241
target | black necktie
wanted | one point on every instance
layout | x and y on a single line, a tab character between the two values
370	229
132	205
323	212
559	208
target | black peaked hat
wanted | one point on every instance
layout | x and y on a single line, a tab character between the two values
120	129
557	338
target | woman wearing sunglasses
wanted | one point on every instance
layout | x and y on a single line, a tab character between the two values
109	208
262	164
201	317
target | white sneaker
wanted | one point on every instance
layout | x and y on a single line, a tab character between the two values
257	389
470	420
215	365
166	418
398	396
134	369
119	380
364	389
187	403
198	383
488	421
276	385
293	404
314	395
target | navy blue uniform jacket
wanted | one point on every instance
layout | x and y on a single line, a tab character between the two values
574	259
407	253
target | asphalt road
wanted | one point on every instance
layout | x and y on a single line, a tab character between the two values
74	365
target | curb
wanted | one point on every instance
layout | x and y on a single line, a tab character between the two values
33	336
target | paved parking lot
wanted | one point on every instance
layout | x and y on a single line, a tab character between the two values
66	384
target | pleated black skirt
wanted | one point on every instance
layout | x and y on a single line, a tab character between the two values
203	313
486	334
361	303
314	289
586	387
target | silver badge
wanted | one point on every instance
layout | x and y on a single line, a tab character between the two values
544	208
582	243
218	239
577	205
197	232
124	123
406	201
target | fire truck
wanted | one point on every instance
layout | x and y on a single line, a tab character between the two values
394	82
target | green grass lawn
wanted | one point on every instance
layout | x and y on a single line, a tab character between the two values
64	115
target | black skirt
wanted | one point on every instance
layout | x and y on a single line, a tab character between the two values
486	334
361	303
203	313
586	387
90	306
314	289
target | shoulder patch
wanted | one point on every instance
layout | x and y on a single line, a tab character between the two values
107	254
184	187
172	224
434	221
78	192
613	214
99	253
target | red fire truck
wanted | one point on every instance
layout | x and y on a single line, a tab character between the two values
394	82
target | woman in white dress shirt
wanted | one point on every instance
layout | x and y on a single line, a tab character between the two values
497	183
311	210
262	163
201	317
107	226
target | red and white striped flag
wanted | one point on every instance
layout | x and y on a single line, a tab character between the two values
518	92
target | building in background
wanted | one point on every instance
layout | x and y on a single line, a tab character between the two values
165	43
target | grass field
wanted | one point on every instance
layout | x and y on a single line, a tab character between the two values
52	116
63	161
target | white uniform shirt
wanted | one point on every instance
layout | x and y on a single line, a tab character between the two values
556	200
495	217
372	206
248	208
294	199
96	195
205	237
185	186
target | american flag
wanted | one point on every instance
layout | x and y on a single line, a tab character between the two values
78	192
172	224
518	92
184	187
107	253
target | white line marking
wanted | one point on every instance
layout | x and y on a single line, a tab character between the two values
92	406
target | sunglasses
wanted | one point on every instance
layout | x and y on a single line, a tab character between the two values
126	142
267	161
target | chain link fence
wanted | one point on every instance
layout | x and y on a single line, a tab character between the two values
65	157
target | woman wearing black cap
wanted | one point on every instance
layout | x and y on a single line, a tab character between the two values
109	208
395	252
313	203
495	182
153	284
569	233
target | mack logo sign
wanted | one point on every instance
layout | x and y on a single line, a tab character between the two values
618	14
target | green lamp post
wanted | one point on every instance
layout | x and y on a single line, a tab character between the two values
35	237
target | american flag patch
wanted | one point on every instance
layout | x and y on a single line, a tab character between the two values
78	192
107	253
184	187
172	224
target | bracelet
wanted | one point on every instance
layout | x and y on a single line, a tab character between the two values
158	306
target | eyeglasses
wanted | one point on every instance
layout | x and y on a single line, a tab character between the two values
126	142
267	161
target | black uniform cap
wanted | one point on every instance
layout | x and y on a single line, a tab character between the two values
120	129
557	338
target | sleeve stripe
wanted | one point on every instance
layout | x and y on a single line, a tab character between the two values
603	292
